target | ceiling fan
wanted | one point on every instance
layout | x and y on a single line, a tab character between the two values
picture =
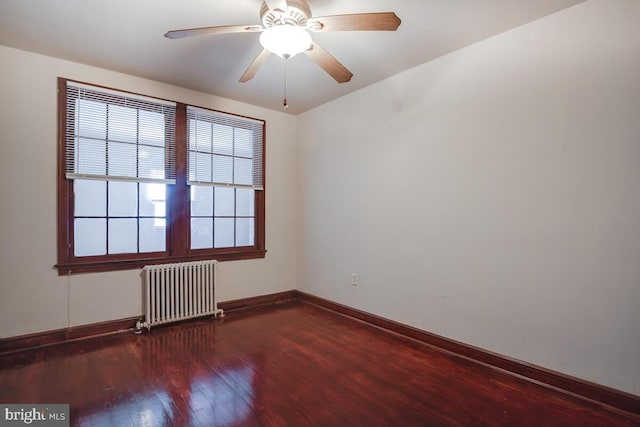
285	32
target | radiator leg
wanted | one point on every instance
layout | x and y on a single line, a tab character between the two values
140	325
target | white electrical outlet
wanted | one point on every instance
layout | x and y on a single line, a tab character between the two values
354	279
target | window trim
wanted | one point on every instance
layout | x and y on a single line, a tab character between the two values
178	202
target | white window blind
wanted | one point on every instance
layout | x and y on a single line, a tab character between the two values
113	135
224	150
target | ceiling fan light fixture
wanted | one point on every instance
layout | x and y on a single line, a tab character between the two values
285	40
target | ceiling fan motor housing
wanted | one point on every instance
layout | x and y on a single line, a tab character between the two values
297	14
285	29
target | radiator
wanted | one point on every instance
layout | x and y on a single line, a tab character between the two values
179	291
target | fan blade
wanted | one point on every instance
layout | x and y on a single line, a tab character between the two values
328	63
253	67
226	29
277	5
382	21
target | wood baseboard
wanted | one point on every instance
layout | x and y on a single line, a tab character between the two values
578	387
585	389
262	300
58	336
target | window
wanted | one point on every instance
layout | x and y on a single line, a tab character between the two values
224	172
143	180
119	157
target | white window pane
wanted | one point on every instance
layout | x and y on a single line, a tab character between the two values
153	199
222	169
199	137
90	157
244	232
201	233
151	130
223	233
160	208
191	167
122	159
91	119
90	198
191	137
222	139
201	200
200	167
151	162
243	143
122	123
245	202
242	171
123	198
90	236
224	201
152	235
123	236
200	140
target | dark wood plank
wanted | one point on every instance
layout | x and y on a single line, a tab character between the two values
596	392
287	364
587	389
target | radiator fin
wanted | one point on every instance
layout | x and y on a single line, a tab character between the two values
179	291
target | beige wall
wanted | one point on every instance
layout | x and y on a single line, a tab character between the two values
33	297
492	196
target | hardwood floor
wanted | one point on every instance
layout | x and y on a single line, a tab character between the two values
289	365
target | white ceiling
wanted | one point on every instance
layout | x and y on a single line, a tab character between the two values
127	36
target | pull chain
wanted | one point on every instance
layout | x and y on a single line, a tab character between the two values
284	102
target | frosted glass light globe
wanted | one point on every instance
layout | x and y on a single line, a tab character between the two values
285	40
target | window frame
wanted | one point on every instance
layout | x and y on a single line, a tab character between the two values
178	207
